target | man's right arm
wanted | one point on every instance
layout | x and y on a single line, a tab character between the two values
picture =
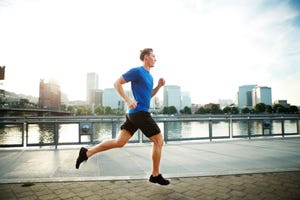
118	86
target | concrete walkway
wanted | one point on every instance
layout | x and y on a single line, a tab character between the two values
233	169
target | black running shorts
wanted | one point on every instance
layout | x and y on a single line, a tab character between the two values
143	121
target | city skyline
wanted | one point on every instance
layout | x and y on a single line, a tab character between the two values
161	97
208	47
172	96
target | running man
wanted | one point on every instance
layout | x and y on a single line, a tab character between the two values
137	117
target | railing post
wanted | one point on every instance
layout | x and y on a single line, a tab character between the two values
210	128
26	130
92	133
297	123
263	126
79	133
249	129
140	137
230	127
282	126
114	129
23	133
55	134
271	125
166	131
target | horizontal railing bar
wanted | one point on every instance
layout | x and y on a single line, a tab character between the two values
112	119
160	116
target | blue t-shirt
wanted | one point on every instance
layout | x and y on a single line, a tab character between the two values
141	86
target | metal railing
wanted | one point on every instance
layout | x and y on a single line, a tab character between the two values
88	124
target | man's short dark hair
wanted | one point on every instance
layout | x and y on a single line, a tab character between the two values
146	51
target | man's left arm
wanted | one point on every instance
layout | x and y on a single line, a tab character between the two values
161	82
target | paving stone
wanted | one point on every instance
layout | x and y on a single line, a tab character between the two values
66	195
275	185
7	195
47	196
28	198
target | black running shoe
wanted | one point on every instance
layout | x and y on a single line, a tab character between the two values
159	179
81	157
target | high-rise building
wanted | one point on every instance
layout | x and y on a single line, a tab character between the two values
2	77
98	97
50	94
92	84
284	103
154	104
172	96
262	94
112	99
245	96
2	73
185	100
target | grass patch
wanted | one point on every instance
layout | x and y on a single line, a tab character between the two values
27	184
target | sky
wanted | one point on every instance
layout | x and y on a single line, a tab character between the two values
207	47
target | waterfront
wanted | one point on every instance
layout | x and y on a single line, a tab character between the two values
43	133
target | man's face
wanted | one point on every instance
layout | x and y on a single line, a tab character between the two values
150	59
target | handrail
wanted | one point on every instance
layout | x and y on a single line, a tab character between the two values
230	120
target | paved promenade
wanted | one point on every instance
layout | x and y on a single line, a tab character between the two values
236	169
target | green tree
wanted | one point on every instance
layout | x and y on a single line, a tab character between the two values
71	109
268	109
108	110
170	110
227	110
260	108
215	109
234	110
245	110
88	111
278	108
202	110
119	112
99	110
186	110
165	110
63	107
294	109
80	110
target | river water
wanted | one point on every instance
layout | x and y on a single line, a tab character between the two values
69	133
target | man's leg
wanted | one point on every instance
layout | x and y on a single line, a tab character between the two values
118	142
156	152
156	177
